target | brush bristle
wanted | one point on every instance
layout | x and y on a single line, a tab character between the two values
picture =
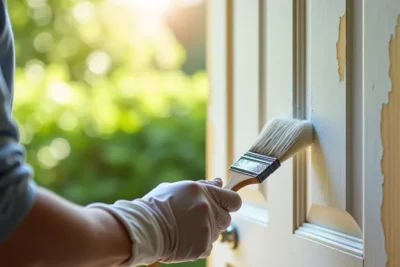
282	138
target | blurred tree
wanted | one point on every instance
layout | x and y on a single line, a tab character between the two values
104	109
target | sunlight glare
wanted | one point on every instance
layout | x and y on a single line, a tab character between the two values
157	7
46	158
149	14
60	92
60	148
99	62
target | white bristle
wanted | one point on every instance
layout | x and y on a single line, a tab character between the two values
283	137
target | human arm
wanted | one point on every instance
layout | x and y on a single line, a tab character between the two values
37	226
59	233
175	222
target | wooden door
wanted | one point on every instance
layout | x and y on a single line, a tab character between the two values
317	60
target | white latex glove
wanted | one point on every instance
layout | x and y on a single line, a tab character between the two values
176	222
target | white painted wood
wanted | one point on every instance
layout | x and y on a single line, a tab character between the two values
299	77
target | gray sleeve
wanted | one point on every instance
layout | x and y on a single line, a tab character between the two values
17	189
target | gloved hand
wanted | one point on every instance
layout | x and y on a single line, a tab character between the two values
176	222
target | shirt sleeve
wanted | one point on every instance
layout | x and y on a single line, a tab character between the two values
17	188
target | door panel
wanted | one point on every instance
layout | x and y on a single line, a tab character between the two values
330	107
285	58
245	90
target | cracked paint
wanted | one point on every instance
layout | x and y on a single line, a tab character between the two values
390	132
341	48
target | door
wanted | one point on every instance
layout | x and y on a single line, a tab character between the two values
305	59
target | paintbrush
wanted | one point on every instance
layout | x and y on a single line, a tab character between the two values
279	140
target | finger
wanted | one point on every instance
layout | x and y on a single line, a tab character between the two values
223	220
227	199
216	182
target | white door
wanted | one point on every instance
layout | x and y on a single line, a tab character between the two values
304	59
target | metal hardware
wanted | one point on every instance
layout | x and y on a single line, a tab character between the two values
255	165
230	237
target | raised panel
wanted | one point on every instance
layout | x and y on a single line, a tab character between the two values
219	127
278	58
278	82
246	86
330	107
245	75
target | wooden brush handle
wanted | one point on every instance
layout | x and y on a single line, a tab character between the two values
238	181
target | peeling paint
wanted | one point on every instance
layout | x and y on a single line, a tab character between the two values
390	132
341	48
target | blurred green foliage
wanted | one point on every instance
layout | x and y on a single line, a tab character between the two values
104	110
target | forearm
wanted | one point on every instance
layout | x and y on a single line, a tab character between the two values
59	233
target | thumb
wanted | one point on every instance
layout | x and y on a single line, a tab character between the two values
226	199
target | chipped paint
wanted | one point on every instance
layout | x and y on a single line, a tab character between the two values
390	131
341	48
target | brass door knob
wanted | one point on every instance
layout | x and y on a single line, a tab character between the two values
230	237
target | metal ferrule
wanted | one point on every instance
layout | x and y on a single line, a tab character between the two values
256	165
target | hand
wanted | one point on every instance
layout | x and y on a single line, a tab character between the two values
176	222
191	216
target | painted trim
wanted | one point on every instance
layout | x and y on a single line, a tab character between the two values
219	64
229	84
210	125
262	73
333	239
299	110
